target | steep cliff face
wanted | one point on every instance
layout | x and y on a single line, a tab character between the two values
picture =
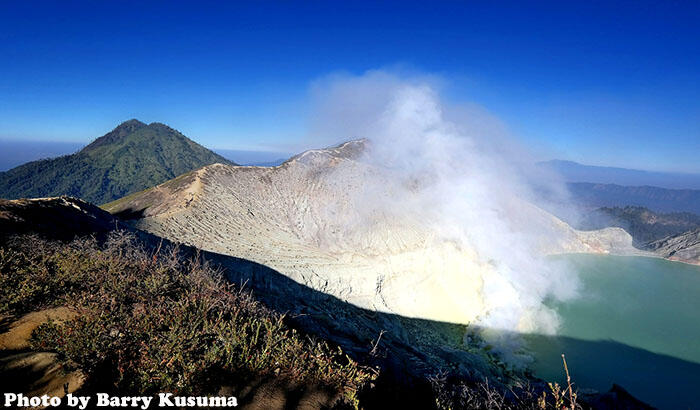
644	225
313	220
683	248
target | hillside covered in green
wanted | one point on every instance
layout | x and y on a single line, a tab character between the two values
132	157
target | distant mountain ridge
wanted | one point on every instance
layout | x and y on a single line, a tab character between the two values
255	158
132	157
593	195
575	172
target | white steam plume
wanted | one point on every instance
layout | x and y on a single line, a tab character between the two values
454	169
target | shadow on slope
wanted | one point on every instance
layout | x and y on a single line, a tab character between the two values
416	348
658	379
407	350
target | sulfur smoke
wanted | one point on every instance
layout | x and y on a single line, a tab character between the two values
454	168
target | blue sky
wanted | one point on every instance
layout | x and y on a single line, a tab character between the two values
590	81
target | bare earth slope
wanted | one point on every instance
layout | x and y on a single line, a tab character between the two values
684	247
300	218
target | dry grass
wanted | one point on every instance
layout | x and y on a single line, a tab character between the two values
454	393
155	321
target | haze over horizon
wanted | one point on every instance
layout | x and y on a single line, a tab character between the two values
599	84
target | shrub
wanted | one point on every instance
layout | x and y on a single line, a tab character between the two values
157	321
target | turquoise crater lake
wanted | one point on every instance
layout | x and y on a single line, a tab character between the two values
636	323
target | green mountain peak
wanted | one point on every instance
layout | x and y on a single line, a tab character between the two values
117	134
130	158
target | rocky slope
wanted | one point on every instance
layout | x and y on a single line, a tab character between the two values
683	248
304	220
643	224
132	157
669	235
